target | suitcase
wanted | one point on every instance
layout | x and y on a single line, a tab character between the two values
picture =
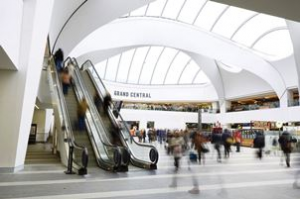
193	157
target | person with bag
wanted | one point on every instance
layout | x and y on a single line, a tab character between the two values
227	141
97	101
66	80
285	141
259	143
176	143
199	142
81	110
59	58
216	139
238	140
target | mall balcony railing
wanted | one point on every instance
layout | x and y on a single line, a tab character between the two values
250	107
176	109
293	103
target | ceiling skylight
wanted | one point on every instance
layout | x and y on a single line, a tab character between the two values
244	27
152	65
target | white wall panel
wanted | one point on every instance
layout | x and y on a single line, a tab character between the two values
165	119
290	114
243	84
10	22
165	93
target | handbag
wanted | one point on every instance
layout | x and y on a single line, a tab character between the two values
204	149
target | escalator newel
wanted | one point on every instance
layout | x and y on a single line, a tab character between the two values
70	160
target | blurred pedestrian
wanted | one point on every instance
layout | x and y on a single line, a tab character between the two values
274	145
81	111
66	80
227	141
238	140
216	139
97	101
259	143
107	101
199	141
285	141
59	58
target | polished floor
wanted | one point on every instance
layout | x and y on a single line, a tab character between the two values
242	176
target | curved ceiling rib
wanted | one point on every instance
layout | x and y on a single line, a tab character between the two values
66	22
156	64
143	64
196	74
162	12
242	24
118	66
130	65
180	9
183	70
146	9
170	66
266	33
106	64
218	18
200	10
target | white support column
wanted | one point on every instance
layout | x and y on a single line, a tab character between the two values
215	106
284	100
290	97
224	106
294	28
19	88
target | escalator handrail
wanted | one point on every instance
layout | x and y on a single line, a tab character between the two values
91	105
121	118
66	120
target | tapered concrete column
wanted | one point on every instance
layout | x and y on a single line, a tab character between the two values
284	100
215	106
224	106
19	87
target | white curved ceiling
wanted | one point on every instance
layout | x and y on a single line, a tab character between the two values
147	39
264	34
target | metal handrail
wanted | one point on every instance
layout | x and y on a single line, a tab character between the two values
106	142
68	133
121	118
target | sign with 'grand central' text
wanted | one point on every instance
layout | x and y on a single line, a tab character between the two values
132	94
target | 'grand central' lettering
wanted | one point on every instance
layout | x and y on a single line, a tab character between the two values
132	94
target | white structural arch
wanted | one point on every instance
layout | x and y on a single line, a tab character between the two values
65	31
139	31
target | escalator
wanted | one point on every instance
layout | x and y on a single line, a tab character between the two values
107	156
73	155
141	155
81	137
108	124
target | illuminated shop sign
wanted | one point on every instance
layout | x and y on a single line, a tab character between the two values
132	94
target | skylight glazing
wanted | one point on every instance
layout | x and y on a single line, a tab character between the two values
137	64
162	65
176	68
123	69
152	65
188	73
172	9
243	27
111	69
